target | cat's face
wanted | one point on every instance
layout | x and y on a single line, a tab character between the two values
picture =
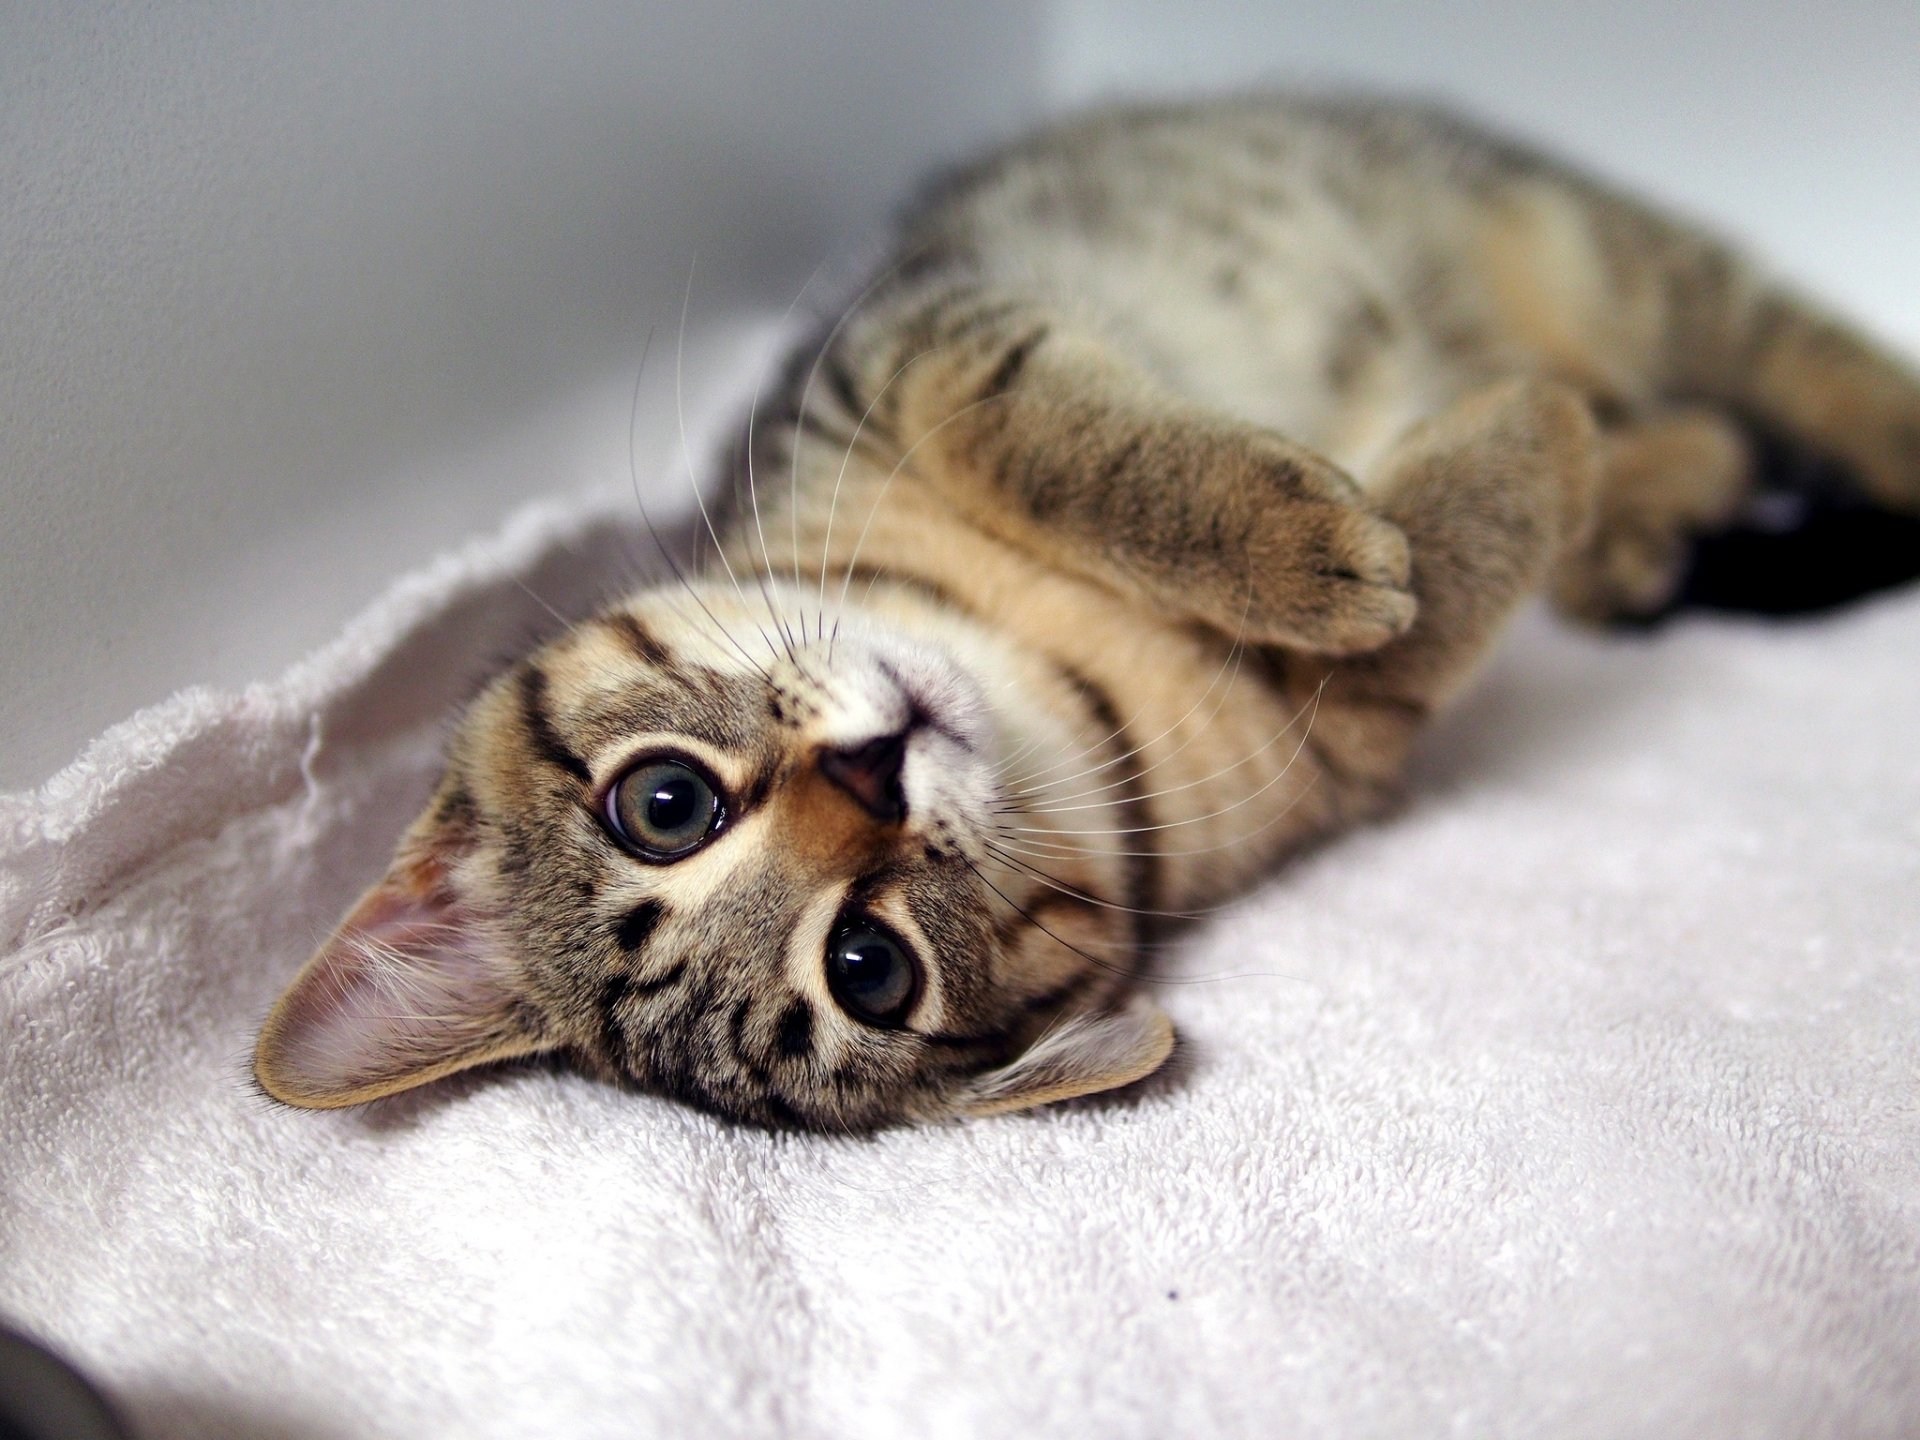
745	865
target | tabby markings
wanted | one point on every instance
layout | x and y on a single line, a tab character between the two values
637	925
737	1031
545	740
840	381
635	928
640	640
796	1030
1142	866
1010	366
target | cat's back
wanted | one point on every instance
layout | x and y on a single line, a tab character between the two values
1126	170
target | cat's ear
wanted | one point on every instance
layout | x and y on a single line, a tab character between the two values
412	986
1093	1051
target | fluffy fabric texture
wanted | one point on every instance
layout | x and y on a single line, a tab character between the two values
1579	1098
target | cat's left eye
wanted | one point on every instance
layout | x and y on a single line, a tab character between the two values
664	809
871	974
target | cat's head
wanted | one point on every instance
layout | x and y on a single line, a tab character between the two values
766	871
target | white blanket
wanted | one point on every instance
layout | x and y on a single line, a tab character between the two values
1577	1099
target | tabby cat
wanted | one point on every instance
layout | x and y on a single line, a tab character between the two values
1116	540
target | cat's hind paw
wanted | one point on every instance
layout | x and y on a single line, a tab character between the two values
1664	481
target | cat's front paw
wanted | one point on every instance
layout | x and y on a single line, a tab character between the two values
1330	578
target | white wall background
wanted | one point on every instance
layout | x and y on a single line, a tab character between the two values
292	296
295	295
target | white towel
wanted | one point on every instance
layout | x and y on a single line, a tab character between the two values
1578	1098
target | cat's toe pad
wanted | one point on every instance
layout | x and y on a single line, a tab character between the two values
1333	579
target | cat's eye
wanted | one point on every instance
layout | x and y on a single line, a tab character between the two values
871	974
664	809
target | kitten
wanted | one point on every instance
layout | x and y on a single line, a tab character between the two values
1114	542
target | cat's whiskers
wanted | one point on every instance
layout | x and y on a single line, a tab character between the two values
1072	751
539	600
833	503
1232	656
1235	654
1054	882
686	451
1094	960
800	413
1312	711
1063	849
1125	972
639	500
753	493
1133	776
999	768
859	543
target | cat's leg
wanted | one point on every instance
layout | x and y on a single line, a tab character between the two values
1664	481
1489	492
1042	434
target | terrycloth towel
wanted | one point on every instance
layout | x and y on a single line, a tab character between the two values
1577	1099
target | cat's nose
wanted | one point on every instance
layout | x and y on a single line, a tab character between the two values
870	773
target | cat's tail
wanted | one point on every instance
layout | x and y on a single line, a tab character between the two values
1758	453
1834	421
1804	378
1828	505
1616	291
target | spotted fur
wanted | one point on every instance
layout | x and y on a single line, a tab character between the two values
1138	513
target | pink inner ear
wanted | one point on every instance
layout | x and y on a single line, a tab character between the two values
407	988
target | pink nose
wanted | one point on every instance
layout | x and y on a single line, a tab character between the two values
870	773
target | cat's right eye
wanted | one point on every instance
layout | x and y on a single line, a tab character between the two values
664	809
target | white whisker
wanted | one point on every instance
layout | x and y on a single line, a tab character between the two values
660	544
686	450
1235	654
826	545
1211	815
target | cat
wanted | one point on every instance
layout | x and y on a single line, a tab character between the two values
1113	543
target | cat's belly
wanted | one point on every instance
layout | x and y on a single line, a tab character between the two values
1312	337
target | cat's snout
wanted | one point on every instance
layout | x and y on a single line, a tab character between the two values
870	773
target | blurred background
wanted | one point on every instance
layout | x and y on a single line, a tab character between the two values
293	297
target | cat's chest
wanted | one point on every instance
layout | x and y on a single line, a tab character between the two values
1212	741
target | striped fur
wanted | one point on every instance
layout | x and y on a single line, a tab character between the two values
1179	465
